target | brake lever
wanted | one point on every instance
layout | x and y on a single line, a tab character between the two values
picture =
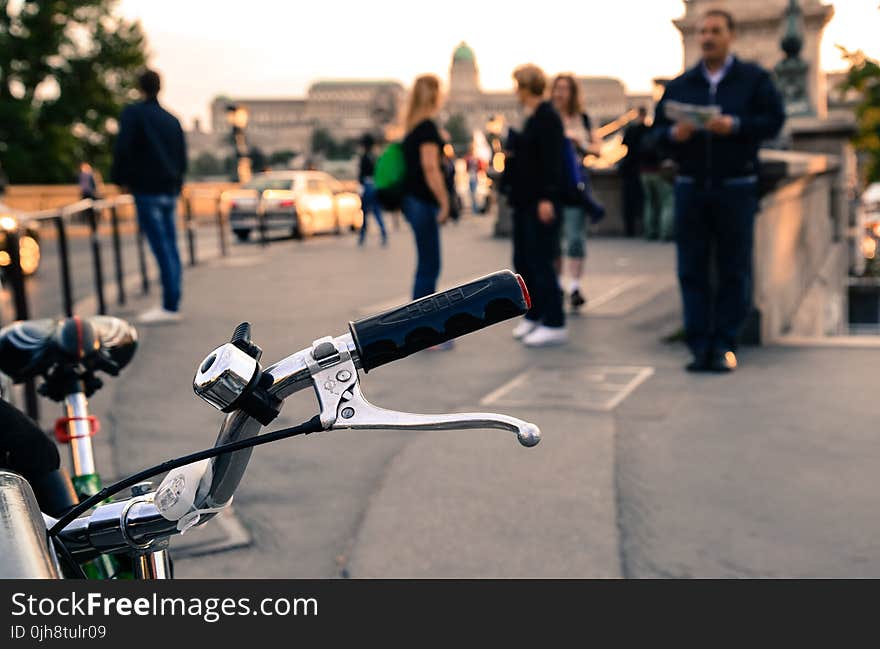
344	406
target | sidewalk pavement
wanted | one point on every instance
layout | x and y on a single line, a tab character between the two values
644	470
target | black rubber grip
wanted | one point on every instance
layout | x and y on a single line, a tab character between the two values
434	319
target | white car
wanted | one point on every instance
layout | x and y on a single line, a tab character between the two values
302	203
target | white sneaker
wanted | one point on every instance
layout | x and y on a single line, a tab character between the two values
158	315
546	337
524	328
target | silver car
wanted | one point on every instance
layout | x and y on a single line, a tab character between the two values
302	203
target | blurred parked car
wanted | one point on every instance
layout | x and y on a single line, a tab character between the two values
302	203
28	243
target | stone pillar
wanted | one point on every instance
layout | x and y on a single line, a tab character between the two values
832	137
760	24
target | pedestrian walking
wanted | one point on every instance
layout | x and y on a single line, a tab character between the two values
566	96
657	189
449	176
630	172
369	200
150	162
472	166
425	201
716	190
88	184
535	169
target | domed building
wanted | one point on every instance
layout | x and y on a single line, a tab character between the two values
605	97
464	76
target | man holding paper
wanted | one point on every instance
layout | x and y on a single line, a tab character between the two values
715	117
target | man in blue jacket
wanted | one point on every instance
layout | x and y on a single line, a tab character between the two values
716	190
150	161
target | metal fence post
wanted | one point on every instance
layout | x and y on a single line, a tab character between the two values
16	280
64	265
117	256
261	218
142	261
190	233
221	229
92	215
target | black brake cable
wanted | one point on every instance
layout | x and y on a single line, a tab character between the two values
72	564
313	425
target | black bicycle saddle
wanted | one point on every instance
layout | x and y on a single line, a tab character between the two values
32	348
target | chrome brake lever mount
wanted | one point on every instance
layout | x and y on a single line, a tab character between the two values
343	405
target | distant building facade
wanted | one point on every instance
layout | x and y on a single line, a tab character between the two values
345	108
605	97
349	108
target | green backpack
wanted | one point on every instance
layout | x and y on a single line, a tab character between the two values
389	176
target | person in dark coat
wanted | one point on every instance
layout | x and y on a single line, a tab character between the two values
150	162
369	200
630	173
716	189
535	170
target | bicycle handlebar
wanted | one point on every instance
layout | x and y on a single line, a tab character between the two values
230	373
438	318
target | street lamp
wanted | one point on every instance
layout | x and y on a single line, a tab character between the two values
237	118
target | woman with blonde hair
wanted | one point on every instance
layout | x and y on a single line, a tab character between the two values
425	199
566	96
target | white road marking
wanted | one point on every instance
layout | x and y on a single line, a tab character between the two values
641	377
602	395
618	290
504	389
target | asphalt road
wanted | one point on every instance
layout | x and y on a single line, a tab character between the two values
643	471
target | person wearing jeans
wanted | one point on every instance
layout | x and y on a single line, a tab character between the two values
659	216
149	161
728	214
422	217
426	199
716	189
369	200
565	93
157	218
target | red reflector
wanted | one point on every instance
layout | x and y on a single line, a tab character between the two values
525	291
62	432
233	205
285	204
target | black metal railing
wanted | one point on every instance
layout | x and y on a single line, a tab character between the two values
94	213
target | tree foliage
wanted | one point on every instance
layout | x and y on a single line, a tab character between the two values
325	144
459	135
864	77
207	164
282	158
67	67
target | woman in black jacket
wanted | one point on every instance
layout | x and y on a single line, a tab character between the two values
535	175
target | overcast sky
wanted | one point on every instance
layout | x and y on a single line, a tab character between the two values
277	48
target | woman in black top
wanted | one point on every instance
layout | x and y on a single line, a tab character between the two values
426	200
535	175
